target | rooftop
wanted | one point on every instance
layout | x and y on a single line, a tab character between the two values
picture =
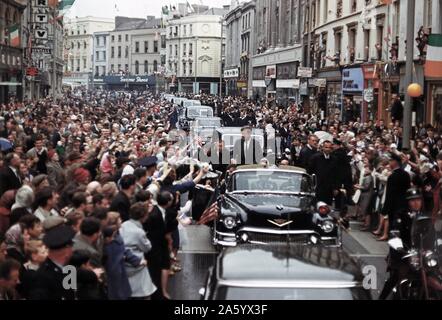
126	23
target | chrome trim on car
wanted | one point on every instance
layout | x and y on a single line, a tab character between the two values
269	169
225	234
282	284
273	192
278	232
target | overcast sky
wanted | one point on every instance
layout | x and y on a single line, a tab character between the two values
129	8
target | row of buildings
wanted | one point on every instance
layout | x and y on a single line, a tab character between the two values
181	51
331	54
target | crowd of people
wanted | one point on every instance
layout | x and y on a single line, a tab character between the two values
102	182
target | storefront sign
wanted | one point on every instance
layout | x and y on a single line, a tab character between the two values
288	84
353	80
305	72
258	84
271	72
144	80
315	82
231	73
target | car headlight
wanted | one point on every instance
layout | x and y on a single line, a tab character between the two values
229	222
327	226
430	259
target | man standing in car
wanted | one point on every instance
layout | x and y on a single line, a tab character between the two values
247	150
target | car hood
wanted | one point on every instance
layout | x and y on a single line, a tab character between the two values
269	205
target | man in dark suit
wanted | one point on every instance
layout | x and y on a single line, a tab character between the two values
395	199
323	165
9	174
308	151
284	133
219	156
247	150
50	281
158	257
121	203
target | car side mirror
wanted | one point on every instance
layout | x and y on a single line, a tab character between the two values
314	181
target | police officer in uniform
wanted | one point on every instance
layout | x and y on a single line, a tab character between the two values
410	225
51	283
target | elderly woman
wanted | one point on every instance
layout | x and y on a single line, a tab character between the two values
135	239
23	204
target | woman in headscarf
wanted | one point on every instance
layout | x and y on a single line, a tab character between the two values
23	204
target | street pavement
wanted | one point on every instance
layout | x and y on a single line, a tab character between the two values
198	255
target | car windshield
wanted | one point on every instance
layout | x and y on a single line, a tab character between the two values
272	181
192	103
199	112
234	293
213	123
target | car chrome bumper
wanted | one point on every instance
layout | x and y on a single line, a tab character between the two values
264	236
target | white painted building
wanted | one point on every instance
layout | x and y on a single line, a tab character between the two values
135	46
194	45
79	47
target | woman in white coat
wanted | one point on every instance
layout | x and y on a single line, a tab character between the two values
135	239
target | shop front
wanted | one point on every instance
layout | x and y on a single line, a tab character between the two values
258	83
140	83
231	79
333	91
389	86
434	103
287	85
352	94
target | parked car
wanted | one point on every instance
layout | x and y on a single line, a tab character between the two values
265	205
281	272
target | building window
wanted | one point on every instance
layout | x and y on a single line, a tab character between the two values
78	45
126	67
78	65
146	46
103	71
97	55
119	38
170	50
126	52
72	45
428	16
98	41
184	68
366	45
137	67
119	51
190	68
72	65
104	41
163	42
112	52
104	55
112	68
127	37
191	29
155	66
84	63
119	68
353	5
184	49
85	44
185	30
137	47
97	71
155	46
146	67
176	50
113	38
190	49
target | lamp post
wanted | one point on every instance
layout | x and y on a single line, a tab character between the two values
221	59
411	4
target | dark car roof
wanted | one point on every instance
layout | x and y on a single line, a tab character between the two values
288	264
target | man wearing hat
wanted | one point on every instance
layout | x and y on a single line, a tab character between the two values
51	283
409	225
397	186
